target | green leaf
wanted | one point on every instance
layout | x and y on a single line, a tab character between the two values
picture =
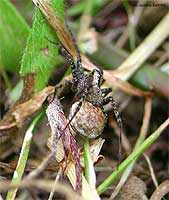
40	55
13	34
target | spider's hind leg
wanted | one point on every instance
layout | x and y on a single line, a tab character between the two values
118	118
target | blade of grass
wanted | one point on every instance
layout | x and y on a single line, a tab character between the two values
87	158
146	78
18	173
135	154
16	92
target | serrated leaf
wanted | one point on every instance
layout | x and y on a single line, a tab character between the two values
40	55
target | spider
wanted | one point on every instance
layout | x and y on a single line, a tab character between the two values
87	116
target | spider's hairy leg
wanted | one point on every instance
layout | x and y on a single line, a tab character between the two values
106	91
79	60
74	114
118	118
77	72
63	86
67	55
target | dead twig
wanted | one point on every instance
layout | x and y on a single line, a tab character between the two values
161	191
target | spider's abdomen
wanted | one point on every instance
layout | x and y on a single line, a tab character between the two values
89	120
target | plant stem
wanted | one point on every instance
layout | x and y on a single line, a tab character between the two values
87	158
131	28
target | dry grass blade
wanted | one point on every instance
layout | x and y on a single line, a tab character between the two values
58	122
146	119
145	49
151	170
56	181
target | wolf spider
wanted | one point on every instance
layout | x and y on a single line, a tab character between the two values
87	116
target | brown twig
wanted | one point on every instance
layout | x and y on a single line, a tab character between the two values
42	184
162	190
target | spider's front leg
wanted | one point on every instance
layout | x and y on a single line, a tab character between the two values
77	70
60	86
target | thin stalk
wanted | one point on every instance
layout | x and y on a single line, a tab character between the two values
135	154
87	158
131	27
56	182
18	173
85	22
5	77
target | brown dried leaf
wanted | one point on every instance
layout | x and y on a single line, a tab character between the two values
19	113
58	122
